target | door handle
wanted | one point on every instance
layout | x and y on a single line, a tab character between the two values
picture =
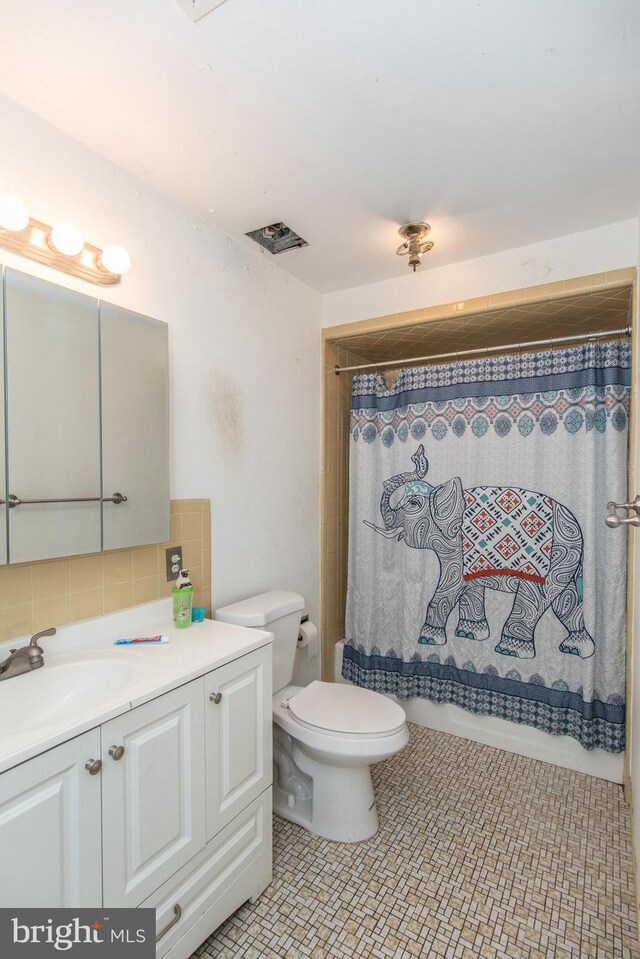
216	698
116	752
613	521
634	504
93	766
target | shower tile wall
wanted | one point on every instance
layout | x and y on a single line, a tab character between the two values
335	498
400	334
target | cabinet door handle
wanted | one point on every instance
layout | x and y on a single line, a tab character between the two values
216	698
93	766
177	912
117	752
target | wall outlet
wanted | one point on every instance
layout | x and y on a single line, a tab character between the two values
174	562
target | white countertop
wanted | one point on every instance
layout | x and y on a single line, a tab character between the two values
86	680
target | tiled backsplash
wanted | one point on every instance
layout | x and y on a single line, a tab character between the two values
54	592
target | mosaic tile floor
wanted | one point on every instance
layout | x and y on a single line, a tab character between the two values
480	854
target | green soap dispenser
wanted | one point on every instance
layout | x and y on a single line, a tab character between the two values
182	594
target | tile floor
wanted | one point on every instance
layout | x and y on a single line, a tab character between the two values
480	854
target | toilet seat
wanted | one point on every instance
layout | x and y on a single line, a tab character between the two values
337	708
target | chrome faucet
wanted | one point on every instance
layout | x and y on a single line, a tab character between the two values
26	658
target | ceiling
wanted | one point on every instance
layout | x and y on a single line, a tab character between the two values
597	312
500	122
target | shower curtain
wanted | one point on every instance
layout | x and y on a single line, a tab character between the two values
481	571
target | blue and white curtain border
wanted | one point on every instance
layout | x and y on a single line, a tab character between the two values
545	390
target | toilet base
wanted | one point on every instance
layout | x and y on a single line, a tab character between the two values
335	802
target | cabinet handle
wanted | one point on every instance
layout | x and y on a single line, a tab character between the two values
116	752
177	912
93	766
216	698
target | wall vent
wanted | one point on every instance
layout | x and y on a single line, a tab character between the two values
197	9
277	238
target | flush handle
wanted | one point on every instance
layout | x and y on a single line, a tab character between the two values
216	698
93	766
116	752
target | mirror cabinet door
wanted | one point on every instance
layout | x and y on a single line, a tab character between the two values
53	412
135	427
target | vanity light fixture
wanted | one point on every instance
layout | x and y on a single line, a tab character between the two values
61	247
66	238
114	259
416	244
13	213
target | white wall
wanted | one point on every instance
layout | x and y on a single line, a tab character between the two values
579	254
244	353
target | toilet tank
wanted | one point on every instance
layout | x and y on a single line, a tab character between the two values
278	612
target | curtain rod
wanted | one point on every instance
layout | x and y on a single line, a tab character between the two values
485	350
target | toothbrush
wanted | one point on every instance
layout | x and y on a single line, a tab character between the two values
141	639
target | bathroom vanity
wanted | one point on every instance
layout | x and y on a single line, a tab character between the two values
140	776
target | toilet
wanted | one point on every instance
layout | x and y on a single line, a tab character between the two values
325	735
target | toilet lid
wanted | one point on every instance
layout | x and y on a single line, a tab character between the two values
341	708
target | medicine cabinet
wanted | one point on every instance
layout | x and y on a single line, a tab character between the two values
84	444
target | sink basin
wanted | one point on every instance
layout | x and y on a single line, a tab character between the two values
60	691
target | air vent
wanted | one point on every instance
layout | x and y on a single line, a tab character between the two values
277	238
197	9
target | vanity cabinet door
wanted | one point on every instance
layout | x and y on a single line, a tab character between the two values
135	427
50	848
153	801
238	736
53	416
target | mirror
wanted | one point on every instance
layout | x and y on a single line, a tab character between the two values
135	427
87	438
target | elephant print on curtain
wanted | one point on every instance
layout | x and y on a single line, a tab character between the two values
491	537
481	571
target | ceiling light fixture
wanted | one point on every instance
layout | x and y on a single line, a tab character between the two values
415	244
61	247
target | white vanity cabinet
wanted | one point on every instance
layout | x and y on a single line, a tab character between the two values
166	805
50	841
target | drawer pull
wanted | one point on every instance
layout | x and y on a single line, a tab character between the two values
116	752
216	698
177	912
93	766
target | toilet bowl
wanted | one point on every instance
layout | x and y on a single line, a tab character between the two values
325	735
324	745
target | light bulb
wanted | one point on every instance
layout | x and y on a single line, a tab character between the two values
67	239
115	259
14	215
